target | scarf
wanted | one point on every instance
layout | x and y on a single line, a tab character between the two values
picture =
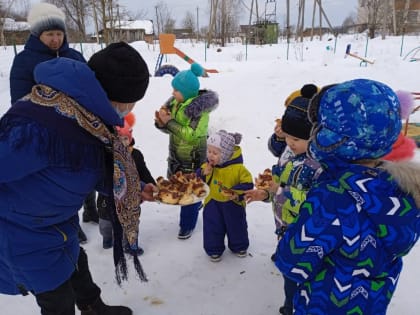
126	181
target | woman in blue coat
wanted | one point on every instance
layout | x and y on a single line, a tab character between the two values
57	144
46	41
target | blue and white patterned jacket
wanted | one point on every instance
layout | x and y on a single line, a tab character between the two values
345	249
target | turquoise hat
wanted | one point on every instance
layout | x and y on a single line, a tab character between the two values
187	83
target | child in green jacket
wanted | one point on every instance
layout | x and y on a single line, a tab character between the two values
185	117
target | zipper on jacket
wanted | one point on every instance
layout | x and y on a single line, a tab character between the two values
61	232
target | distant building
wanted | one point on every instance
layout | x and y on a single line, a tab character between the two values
183	33
14	32
412	21
131	31
260	33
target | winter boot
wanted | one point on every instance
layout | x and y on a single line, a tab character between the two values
99	308
82	236
90	212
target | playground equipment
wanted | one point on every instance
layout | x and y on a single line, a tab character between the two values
412	55
166	44
363	60
412	130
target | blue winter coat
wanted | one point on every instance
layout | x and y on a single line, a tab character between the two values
345	249
21	74
48	165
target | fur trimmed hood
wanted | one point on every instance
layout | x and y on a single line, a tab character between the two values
407	175
206	101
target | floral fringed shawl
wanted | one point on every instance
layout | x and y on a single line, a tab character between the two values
126	181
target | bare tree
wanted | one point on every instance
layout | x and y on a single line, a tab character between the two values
373	13
188	21
165	22
76	12
401	16
224	19
212	22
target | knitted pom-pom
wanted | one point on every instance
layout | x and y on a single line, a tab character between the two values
402	150
197	69
130	119
308	90
406	102
237	137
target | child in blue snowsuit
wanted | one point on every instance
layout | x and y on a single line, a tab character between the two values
292	178
345	248
223	215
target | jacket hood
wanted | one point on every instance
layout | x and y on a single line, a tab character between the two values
77	80
206	101
235	159
407	175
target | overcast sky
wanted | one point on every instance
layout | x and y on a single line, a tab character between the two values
336	10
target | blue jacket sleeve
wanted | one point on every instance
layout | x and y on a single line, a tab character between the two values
21	79
276	146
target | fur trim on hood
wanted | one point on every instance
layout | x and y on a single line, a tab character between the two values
206	101
407	174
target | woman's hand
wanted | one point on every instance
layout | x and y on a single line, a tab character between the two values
147	192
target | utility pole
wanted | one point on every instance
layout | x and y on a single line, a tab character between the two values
198	26
157	21
313	21
320	19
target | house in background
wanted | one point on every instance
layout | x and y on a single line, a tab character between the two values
15	33
131	31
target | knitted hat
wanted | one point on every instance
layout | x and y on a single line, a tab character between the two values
295	120
357	119
186	82
121	71
46	17
225	142
307	91
127	130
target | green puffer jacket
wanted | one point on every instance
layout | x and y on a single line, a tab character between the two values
188	131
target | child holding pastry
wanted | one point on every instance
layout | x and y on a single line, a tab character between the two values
185	118
295	177
224	208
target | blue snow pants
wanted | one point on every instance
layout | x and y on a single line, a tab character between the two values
188	216
222	219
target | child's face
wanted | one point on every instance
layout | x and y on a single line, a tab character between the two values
297	145
178	96
214	155
125	140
